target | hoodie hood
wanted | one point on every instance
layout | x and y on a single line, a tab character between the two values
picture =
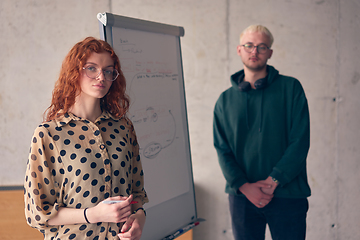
272	73
237	77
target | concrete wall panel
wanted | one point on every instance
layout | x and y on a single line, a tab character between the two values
35	37
348	156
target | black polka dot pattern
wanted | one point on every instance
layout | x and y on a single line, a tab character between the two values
76	163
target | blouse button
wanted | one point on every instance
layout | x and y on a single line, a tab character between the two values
102	146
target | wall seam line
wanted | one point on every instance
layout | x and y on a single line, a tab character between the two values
227	35
338	99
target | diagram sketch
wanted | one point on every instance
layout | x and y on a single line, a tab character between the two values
158	128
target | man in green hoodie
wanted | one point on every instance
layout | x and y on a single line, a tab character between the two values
262	137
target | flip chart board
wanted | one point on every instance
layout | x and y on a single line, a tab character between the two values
150	58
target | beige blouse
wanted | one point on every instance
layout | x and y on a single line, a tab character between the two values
76	163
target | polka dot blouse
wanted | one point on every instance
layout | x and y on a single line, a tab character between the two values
76	163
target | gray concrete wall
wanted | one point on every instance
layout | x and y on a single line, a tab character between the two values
316	41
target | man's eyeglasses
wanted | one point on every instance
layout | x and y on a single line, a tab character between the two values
261	48
110	74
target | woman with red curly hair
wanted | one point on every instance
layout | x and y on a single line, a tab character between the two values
84	177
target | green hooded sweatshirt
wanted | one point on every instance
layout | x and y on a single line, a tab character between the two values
264	132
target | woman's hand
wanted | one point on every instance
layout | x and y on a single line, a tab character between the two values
132	229
116	212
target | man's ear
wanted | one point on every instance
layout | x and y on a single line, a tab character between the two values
238	50
270	54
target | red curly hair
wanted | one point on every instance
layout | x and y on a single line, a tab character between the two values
67	87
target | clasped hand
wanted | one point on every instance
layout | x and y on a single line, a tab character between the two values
259	193
116	212
119	212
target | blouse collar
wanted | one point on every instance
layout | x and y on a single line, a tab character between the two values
68	117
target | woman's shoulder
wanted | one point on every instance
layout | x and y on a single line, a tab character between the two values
46	126
44	131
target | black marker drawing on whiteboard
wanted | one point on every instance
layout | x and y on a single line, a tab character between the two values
124	41
154	148
156	124
129	47
160	126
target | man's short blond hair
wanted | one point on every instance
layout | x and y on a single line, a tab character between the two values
258	28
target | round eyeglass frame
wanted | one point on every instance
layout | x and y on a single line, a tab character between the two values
257	48
101	70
